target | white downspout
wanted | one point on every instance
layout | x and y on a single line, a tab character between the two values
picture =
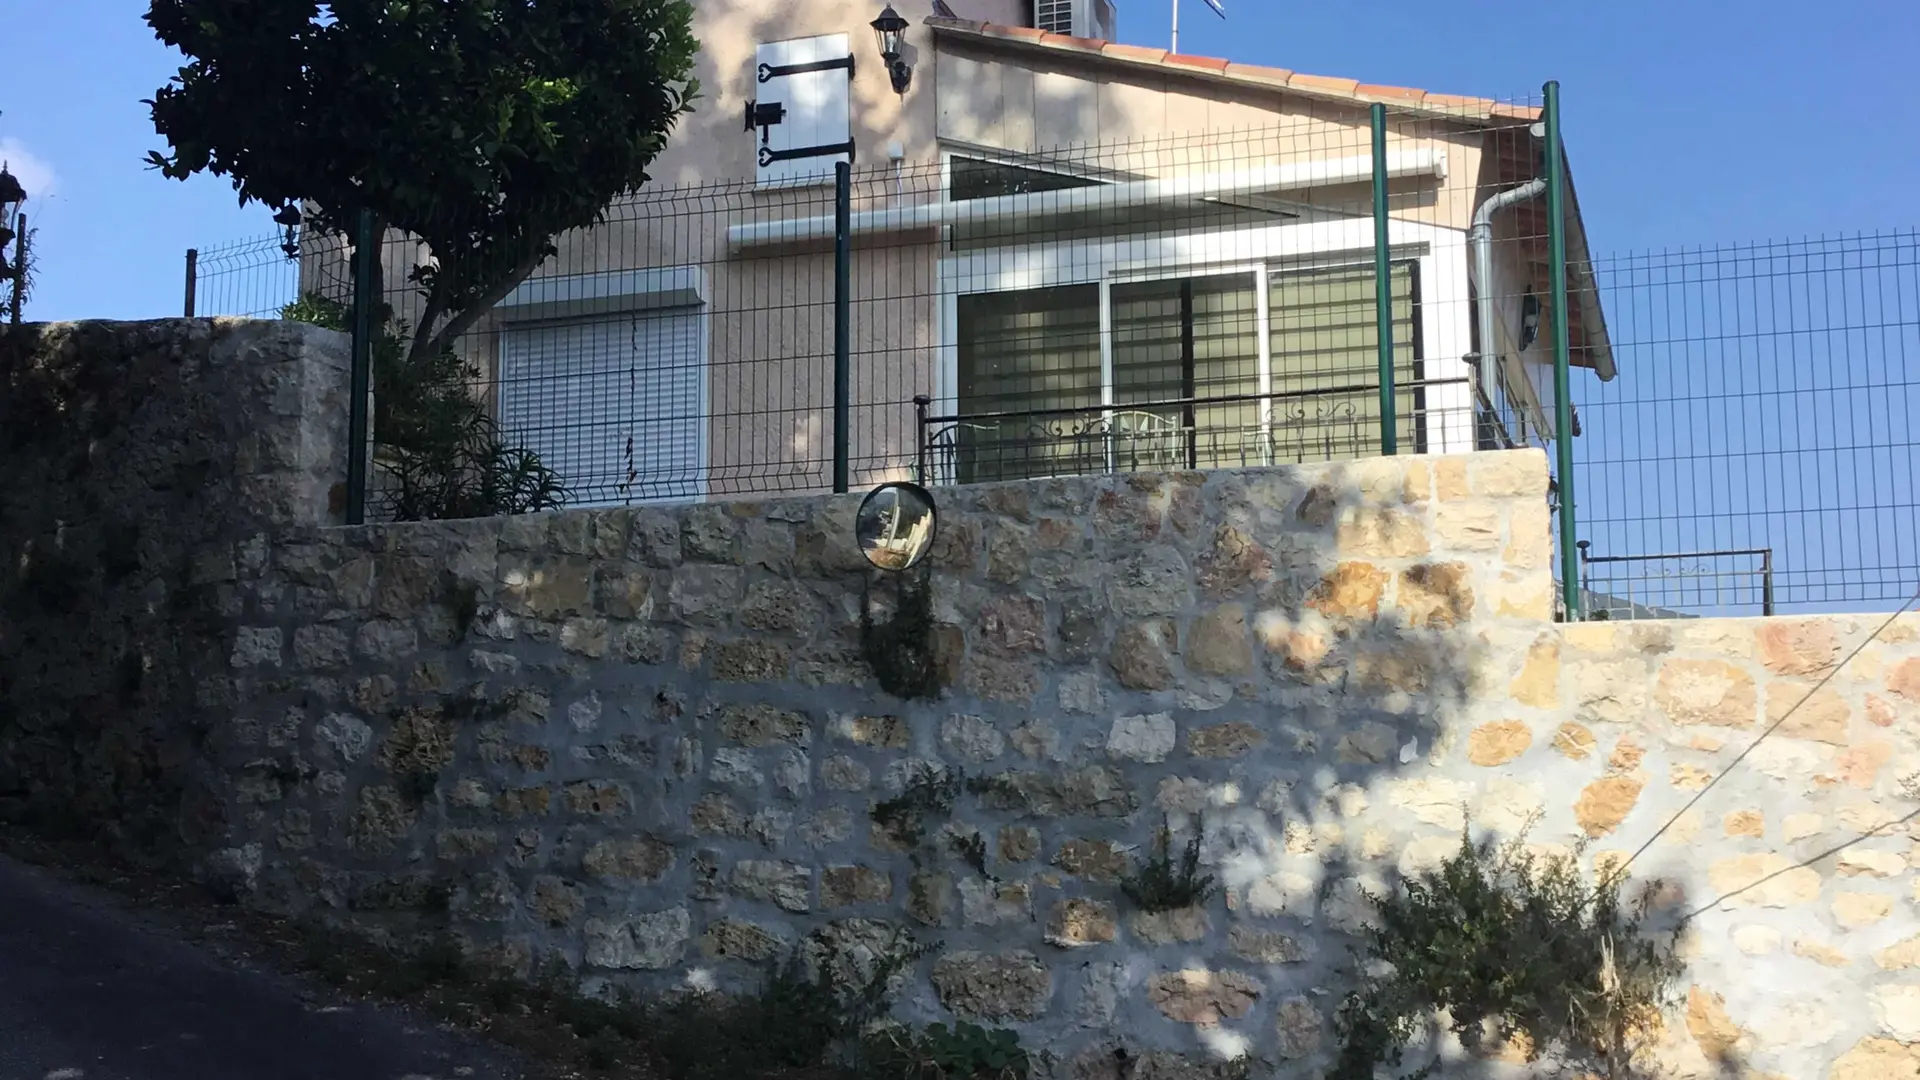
1480	239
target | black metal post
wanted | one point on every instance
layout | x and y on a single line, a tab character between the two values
19	267
366	253
1586	571
1766	582
842	319
193	278
920	403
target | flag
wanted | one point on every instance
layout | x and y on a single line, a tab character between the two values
1217	8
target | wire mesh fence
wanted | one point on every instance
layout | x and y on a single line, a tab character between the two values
1173	301
1181	302
1758	454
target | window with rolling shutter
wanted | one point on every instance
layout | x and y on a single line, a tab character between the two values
1037	352
1187	338
1034	349
616	404
1326	365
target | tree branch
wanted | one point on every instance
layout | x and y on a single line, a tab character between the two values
467	316
436	304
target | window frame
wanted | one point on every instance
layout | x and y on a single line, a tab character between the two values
1439	287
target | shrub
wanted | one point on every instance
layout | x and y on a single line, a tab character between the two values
1500	938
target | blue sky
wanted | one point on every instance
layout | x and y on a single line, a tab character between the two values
1688	121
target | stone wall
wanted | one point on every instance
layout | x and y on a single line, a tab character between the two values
648	742
143	463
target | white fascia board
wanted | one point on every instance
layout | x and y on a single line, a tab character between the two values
1424	162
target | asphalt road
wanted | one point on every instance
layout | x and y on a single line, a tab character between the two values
91	990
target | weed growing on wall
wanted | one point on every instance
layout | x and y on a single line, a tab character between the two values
1162	885
938	1052
928	792
1511	946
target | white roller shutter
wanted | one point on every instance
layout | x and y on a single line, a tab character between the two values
801	120
616	403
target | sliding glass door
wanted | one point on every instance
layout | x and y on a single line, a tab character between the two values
1246	366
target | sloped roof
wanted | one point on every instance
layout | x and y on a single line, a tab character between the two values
1454	106
1586	323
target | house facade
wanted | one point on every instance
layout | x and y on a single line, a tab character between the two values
1081	255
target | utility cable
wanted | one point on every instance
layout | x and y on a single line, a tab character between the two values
1619	872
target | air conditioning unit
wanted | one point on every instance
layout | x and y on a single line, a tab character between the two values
1078	18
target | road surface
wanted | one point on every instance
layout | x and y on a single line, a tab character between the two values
90	989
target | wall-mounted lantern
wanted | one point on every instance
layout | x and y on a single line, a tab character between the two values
12	198
889	31
288	218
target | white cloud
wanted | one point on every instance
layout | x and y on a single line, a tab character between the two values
35	175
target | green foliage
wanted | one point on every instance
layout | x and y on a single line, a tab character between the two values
1499	938
901	649
1159	885
483	129
938	1052
972	849
927	792
801	1017
443	451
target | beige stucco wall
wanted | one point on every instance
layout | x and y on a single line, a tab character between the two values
769	313
1164	124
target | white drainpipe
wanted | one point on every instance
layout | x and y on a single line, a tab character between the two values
1480	239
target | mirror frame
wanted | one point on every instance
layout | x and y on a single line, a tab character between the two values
933	532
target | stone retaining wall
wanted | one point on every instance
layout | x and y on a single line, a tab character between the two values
648	743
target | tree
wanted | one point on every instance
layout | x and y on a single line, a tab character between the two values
483	128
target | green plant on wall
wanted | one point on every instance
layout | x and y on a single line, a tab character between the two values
928	792
938	1052
1163	885
1500	939
442	451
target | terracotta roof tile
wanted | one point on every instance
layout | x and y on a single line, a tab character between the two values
1068	41
1136	53
1453	105
1256	73
1392	93
1456	103
1506	111
1025	33
1324	83
1205	63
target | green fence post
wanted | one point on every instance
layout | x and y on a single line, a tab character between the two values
366	252
842	320
1383	285
1562	352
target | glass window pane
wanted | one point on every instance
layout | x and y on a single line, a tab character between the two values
1326	366
973	178
1031	349
1186	338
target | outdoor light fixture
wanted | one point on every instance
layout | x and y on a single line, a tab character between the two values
288	219
889	30
12	198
